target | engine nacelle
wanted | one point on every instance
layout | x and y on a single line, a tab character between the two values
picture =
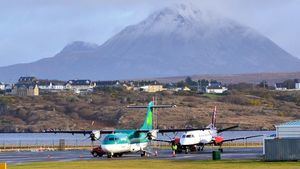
152	134
219	140
95	135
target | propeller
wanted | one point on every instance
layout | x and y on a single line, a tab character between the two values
95	135
152	134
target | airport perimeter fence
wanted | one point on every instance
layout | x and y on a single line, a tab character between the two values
68	144
39	145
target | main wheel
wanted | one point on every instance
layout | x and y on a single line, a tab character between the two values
94	154
143	154
109	155
186	151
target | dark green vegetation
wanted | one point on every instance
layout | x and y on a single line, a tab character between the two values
166	164
253	107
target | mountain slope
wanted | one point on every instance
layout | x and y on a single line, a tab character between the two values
173	41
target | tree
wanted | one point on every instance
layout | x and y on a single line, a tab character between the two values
263	84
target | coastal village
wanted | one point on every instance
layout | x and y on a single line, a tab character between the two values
32	86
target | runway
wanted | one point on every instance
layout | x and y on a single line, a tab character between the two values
27	157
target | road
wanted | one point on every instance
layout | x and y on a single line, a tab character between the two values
27	157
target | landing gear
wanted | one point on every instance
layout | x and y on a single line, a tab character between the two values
143	154
109	155
201	148
221	149
186	150
94	154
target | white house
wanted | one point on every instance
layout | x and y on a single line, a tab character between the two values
216	88
79	86
280	86
49	85
2	86
297	84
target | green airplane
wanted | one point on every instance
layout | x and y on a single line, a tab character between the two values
117	142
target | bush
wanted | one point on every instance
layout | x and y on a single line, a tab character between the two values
234	99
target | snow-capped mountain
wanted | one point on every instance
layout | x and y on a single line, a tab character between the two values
174	41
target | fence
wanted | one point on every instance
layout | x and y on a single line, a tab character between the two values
56	144
32	145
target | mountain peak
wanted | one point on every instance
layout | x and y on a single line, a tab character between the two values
79	46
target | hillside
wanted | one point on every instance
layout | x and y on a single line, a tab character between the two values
253	109
254	78
174	41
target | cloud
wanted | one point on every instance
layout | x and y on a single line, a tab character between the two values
34	29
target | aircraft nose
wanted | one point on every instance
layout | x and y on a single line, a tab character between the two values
183	141
106	148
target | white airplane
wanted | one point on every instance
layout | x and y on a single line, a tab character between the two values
196	139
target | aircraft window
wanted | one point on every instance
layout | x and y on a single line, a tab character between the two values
111	139
188	136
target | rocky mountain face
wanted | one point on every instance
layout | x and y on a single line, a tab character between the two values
171	42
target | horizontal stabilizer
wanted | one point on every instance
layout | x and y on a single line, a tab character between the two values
228	128
154	106
242	138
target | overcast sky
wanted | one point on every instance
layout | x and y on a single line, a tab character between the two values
35	29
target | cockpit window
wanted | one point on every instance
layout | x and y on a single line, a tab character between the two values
183	136
111	139
189	136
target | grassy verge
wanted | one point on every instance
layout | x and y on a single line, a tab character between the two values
165	164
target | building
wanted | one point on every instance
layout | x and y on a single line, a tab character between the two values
2	86
215	87
280	86
286	145
51	85
152	88
297	84
22	89
186	89
80	86
26	86
289	129
114	83
27	79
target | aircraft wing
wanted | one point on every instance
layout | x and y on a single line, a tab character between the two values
161	140
154	106
172	130
241	138
84	132
228	128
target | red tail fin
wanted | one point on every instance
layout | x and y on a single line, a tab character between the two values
214	119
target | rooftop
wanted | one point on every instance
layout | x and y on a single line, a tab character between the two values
291	123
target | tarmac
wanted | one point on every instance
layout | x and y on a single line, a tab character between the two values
75	155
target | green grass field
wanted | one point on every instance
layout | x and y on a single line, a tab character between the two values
162	164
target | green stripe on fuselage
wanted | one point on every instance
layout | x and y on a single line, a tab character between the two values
125	137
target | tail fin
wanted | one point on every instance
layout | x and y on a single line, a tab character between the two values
148	122
214	118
